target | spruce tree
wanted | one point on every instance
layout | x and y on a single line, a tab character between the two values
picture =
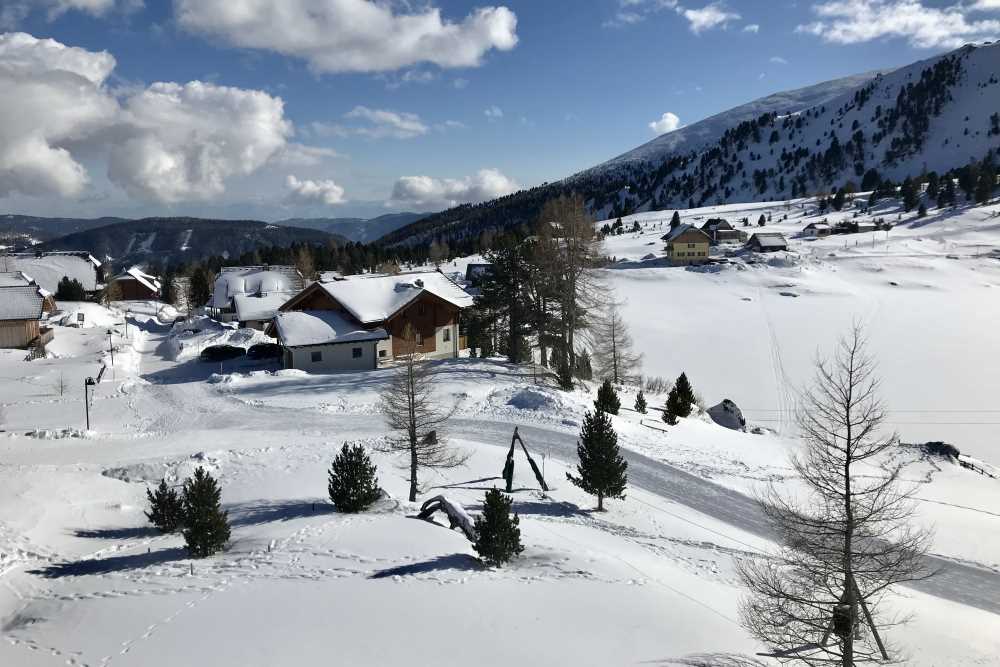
685	394
675	220
206	526
908	191
565	375
607	399
353	480
640	403
165	509
670	412
602	470
761	221
498	535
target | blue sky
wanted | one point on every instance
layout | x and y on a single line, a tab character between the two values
373	108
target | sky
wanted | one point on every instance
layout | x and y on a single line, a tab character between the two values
340	108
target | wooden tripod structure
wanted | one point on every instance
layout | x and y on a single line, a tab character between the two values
508	468
841	624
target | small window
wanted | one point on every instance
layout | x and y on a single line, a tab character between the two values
383	353
316	357
357	352
420	338
446	335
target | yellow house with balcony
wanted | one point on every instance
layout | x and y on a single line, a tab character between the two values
687	244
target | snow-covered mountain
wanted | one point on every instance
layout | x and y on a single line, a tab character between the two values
933	115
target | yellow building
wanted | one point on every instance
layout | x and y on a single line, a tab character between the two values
687	245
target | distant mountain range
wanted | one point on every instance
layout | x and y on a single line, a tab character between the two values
45	229
934	115
356	229
182	239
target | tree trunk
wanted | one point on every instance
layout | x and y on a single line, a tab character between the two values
600	502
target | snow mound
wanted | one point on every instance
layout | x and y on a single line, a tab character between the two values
188	338
728	414
58	433
531	399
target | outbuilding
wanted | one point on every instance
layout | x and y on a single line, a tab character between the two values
817	230
321	341
767	242
20	317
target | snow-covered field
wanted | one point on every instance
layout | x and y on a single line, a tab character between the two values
650	581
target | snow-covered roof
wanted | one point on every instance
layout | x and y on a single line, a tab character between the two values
255	280
20	303
680	229
146	280
769	240
48	269
300	328
374	299
14	279
249	307
817	225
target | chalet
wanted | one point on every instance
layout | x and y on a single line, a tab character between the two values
46	269
20	317
136	285
817	230
360	322
20	279
767	242
720	231
270	285
687	244
859	227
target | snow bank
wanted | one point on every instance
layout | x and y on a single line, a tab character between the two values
187	339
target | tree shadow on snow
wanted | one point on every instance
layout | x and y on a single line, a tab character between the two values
117	533
267	511
562	509
98	566
471	485
457	562
710	660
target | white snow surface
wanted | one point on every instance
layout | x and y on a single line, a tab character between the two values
317	327
373	299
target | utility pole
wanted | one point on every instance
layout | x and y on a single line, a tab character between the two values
89	382
111	347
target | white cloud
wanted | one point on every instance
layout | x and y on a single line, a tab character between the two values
14	11
460	83
313	192
428	192
493	113
54	96
752	27
714	15
381	123
856	21
668	122
295	154
778	60
633	11
184	141
353	35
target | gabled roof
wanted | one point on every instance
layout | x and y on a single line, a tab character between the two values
677	231
20	303
817	225
249	307
374	299
14	279
716	224
49	268
770	240
152	283
299	328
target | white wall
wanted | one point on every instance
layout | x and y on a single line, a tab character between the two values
445	350
338	357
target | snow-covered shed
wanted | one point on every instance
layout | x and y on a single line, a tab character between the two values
325	340
428	302
254	282
21	308
817	230
767	242
257	311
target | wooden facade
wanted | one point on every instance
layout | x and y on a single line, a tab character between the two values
18	333
133	290
425	315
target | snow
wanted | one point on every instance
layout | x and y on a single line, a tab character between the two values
320	327
650	581
253	280
20	303
374	299
251	307
48	269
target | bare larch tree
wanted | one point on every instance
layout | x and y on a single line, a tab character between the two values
410	409
849	539
613	349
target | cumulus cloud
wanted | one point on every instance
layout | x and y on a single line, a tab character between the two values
166	143
668	122
715	15
184	141
54	96
14	11
428	192
312	192
856	21
493	113
383	123
353	35
633	11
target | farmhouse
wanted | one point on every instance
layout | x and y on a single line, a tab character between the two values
262	289
136	285
817	230
687	244
767	242
360	322
19	279
720	231
48	268
20	317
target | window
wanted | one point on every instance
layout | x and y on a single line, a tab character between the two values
357	352
420	338
690	245
446	335
316	357
382	353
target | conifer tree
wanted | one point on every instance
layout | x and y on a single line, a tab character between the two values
602	470
686	393
565	375
640	403
761	221
908	191
498	535
675	220
922	211
670	412
165	508
353	480
607	399
206	526
679	400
